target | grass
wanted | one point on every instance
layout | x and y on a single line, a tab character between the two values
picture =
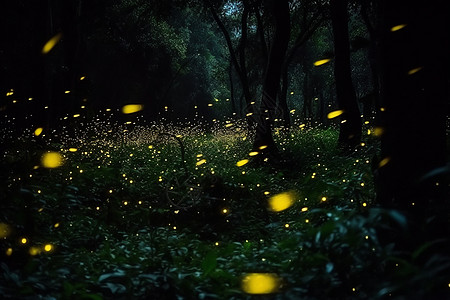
128	216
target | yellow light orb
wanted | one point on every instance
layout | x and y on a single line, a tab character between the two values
282	201
48	247
38	131
321	62
398	27
260	283
242	162
52	160
34	251
132	108
335	114
51	43
201	162
384	162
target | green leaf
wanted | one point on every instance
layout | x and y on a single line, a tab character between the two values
116	288
329	267
424	247
119	273
209	263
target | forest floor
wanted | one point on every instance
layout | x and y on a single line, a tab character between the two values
166	212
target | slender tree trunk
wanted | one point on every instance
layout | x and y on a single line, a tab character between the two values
350	128
373	53
282	99
306	33
306	95
242	74
271	84
242	59
230	76
260	32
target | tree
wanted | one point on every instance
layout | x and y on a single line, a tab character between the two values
237	53
271	84
309	16
415	101
350	128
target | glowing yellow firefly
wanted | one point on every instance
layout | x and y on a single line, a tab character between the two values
398	27
282	201
321	62
132	108
242	162
260	283
51	43
51	160
335	114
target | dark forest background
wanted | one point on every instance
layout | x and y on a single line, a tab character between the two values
360	68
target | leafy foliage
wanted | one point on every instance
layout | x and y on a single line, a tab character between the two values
129	216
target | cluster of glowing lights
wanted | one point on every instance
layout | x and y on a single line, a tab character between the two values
261	283
36	250
256	283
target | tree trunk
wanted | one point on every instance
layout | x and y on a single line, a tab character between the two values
308	29
271	84
307	103
282	100
415	99
350	128
240	70
230	76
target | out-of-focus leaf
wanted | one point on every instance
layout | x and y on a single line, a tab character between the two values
329	267
103	277
209	263
399	218
116	288
424	247
436	172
